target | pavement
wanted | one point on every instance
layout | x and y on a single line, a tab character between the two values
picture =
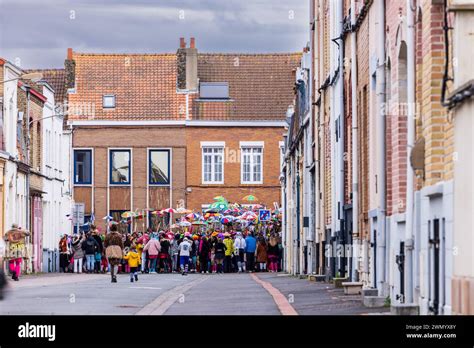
174	294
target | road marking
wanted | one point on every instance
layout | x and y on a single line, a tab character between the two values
163	302
144	287
282	303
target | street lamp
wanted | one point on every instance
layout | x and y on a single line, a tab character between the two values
34	77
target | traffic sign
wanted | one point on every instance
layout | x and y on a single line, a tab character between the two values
264	215
78	213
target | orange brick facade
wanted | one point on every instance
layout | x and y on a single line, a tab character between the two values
186	167
232	189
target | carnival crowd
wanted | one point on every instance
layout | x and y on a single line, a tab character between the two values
169	252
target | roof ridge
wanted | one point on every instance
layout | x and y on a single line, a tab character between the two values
123	54
251	54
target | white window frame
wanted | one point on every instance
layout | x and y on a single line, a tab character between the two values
214	145
251	145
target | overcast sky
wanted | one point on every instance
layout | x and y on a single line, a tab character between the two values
37	33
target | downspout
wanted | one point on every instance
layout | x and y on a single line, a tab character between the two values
355	149
409	243
315	115
341	132
380	88
27	181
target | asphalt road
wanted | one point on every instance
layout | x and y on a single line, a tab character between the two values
174	294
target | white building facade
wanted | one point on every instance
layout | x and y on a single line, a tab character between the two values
56	181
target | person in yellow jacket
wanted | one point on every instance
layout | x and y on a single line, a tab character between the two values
133	261
229	244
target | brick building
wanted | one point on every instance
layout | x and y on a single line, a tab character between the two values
152	131
391	200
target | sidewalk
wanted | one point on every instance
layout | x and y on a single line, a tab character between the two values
314	298
44	279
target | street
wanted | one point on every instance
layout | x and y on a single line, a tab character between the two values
173	294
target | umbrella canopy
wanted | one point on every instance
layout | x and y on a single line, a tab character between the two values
227	219
250	198
128	214
169	210
183	211
220	205
198	223
220	198
156	212
185	223
193	216
249	213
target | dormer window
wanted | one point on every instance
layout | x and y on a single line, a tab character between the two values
214	90
108	101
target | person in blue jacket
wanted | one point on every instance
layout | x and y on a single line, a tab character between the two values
250	247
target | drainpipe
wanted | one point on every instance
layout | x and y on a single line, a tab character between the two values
380	90
27	181
410	142
341	132
355	149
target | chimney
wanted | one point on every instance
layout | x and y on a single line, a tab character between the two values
187	66
70	67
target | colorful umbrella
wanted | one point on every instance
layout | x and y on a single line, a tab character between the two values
169	210
198	223
183	211
185	223
250	198
227	219
220	199
192	216
220	205
128	214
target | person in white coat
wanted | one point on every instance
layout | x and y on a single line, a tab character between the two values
239	247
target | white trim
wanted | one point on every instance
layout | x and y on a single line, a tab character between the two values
189	123
252	144
110	123
212	144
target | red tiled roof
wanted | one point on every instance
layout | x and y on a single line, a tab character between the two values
260	85
57	79
144	86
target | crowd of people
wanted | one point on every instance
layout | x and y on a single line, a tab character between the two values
170	252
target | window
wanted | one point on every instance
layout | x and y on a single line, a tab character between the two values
252	163
108	101
159	167
120	167
214	90
212	163
82	167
